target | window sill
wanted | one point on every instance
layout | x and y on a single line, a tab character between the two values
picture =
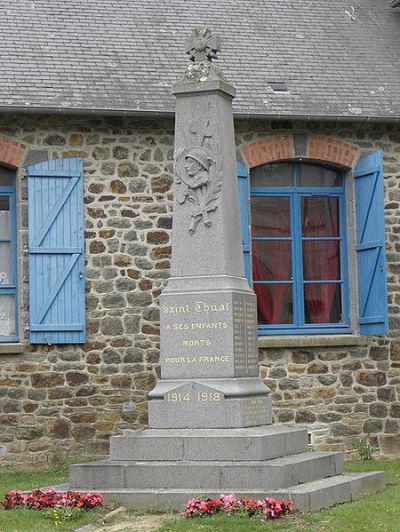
12	349
309	341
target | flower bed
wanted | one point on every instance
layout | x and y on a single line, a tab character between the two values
230	504
51	498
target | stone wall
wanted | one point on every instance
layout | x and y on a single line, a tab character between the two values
342	393
75	397
338	393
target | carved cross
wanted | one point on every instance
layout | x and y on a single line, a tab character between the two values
202	46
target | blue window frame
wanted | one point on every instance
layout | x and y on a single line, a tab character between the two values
299	248
8	258
277	182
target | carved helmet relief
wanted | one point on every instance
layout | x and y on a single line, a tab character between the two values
197	166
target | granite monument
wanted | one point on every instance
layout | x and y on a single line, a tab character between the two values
210	413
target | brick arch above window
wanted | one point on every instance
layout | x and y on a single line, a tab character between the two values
312	147
12	153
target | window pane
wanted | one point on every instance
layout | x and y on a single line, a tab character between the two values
4	217
270	216
271	260
322	303
274	303
5	263
311	175
321	260
7	315
272	175
6	177
319	216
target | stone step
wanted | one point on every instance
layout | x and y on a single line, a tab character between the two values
330	491
245	444
310	496
276	473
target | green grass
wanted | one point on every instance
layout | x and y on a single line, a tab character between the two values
391	468
28	480
376	512
32	520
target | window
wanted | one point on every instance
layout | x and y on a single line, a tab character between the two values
295	246
298	235
8	263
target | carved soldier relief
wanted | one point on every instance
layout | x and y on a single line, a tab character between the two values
197	173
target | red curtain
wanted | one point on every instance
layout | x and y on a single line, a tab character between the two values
274	301
320	258
272	258
272	262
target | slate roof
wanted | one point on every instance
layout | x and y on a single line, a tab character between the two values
122	56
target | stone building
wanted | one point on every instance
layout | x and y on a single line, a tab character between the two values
86	155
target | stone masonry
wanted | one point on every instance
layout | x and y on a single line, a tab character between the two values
55	399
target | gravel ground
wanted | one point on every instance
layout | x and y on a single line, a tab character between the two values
120	521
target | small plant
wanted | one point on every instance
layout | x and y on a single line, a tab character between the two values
58	458
57	520
230	504
364	448
64	513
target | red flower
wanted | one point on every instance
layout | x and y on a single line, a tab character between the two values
50	498
230	504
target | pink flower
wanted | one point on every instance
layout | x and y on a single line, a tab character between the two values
231	497
230	504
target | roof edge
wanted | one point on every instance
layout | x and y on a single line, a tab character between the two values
309	118
171	114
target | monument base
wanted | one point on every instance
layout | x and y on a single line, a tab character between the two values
163	468
211	403
230	413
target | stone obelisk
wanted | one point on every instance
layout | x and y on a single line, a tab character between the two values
209	355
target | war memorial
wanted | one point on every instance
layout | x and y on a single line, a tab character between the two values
210	415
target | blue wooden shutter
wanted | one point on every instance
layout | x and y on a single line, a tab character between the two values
372	295
56	252
243	188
